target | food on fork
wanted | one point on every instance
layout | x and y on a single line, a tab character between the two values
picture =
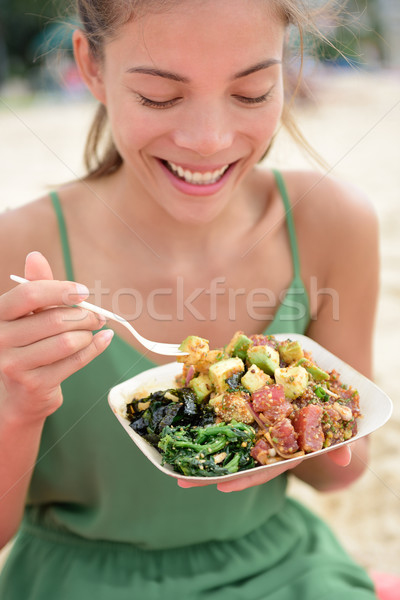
257	401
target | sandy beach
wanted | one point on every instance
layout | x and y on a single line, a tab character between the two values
353	120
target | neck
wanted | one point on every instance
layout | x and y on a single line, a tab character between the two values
170	238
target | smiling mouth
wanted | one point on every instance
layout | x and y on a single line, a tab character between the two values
195	177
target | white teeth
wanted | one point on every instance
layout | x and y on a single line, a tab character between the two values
197	177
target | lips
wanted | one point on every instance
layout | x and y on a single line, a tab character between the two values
194	177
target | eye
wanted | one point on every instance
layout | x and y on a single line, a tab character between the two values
156	104
250	100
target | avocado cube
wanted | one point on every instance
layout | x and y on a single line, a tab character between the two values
294	381
220	371
315	372
197	348
241	346
202	386
229	347
290	351
265	357
238	345
255	378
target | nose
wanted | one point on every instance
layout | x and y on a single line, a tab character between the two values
204	130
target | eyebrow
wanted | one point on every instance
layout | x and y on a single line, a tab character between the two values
265	64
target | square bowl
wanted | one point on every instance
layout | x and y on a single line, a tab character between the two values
375	405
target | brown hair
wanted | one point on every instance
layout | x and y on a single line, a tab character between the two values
101	20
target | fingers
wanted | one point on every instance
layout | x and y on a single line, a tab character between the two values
37	267
39	380
45	352
341	456
47	323
189	484
244	482
55	373
257	478
28	297
44	338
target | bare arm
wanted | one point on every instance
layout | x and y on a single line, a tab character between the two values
19	442
343	320
43	340
344	324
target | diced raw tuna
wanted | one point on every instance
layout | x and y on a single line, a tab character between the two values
284	437
307	424
271	402
260	452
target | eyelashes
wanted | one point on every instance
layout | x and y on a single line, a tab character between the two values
154	104
250	100
170	103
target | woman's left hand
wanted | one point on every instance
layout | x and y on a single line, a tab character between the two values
244	482
340	457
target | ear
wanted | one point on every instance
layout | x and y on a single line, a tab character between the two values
89	67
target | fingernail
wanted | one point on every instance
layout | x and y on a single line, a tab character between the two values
224	490
82	290
182	484
101	319
107	336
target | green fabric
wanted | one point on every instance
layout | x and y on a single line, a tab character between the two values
92	480
293	313
103	522
293	556
289	221
69	271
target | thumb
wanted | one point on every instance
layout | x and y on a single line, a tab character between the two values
37	267
341	456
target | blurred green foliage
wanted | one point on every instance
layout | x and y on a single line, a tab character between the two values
21	23
28	29
357	36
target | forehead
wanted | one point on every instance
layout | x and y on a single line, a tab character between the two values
190	32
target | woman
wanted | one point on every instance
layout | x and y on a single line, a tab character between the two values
177	227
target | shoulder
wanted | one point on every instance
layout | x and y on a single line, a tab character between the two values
25	224
318	199
34	226
22	230
338	229
336	202
331	215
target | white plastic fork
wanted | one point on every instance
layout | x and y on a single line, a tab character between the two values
156	347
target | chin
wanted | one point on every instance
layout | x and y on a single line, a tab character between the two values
201	214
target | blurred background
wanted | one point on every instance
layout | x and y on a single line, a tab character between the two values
36	48
348	109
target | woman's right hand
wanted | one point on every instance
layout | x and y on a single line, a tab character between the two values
43	340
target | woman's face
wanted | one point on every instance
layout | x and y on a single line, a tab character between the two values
194	96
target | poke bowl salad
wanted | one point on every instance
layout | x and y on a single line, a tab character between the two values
259	400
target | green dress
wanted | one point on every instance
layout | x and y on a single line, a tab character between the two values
102	522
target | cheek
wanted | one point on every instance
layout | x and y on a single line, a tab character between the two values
267	124
276	107
132	128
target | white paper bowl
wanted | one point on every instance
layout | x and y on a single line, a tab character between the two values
375	405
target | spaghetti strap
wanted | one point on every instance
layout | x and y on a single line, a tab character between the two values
289	221
63	236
